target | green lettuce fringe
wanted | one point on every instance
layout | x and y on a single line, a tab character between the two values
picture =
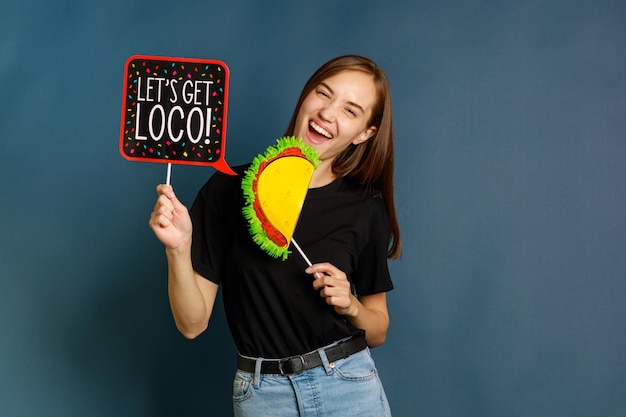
255	226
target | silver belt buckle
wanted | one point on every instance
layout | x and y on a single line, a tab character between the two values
291	360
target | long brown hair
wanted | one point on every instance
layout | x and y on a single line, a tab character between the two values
370	163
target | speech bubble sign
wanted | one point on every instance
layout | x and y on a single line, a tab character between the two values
174	111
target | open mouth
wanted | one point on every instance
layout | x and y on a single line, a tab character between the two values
319	130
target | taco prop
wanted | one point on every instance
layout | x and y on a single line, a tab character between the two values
274	188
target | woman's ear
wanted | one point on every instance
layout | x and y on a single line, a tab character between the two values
365	135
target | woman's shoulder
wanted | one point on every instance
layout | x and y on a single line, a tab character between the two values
364	202
220	185
222	179
360	192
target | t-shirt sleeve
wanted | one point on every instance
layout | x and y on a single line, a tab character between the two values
372	273
205	247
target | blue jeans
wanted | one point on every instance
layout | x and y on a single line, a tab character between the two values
347	387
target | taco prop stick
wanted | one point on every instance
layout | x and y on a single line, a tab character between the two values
274	188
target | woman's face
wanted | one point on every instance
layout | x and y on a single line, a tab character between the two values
336	113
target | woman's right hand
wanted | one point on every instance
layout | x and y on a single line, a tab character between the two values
170	219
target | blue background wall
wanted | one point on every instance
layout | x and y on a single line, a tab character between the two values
511	185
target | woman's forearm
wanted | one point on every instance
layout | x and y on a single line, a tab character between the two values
191	296
370	313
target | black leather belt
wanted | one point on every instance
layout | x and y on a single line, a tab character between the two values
300	363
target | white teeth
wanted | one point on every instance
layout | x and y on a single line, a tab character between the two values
319	130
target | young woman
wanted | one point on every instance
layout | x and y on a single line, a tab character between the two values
303	333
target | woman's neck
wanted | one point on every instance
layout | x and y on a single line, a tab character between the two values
323	175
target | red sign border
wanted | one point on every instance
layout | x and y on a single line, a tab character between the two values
221	161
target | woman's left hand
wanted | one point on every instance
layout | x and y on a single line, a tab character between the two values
333	285
368	312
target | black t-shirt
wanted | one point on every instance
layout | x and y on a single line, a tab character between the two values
271	307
